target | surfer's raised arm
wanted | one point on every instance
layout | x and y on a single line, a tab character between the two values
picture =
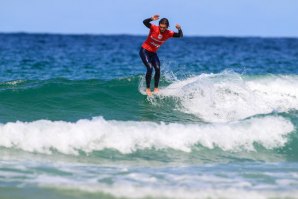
147	23
180	33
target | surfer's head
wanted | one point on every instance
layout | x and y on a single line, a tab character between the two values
163	24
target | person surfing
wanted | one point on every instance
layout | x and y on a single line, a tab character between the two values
157	36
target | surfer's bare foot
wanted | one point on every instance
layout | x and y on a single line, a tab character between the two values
156	90
148	92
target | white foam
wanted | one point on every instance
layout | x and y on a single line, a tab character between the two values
12	83
142	86
129	191
228	96
97	134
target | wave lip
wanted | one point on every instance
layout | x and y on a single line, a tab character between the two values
228	96
45	136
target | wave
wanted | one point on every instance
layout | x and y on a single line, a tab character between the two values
229	96
222	97
129	191
97	134
68	100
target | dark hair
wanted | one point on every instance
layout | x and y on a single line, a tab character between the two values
164	21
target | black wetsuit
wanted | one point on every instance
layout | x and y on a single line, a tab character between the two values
151	60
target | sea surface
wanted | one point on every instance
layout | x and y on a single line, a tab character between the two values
75	123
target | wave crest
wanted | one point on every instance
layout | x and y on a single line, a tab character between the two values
44	136
228	96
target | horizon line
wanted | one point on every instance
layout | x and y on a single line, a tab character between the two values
143	35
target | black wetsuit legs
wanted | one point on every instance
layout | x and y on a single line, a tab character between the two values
151	61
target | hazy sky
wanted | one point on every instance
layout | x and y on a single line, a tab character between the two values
197	17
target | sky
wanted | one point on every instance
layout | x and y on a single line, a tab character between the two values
266	18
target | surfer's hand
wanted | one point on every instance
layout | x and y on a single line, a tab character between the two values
178	26
155	17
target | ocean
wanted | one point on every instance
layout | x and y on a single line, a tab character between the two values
75	123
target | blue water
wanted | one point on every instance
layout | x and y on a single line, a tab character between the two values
75	123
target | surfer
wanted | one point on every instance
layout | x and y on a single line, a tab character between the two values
157	36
